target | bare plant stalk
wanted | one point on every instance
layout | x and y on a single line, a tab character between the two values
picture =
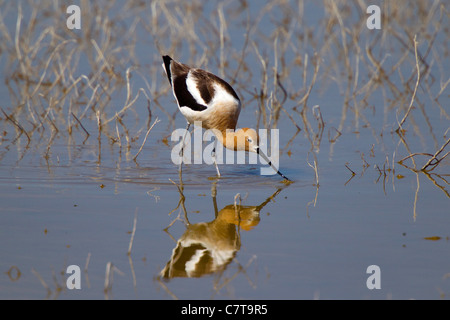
415	154
435	155
133	232
125	129
353	173
316	170
22	130
304	100
415	89
87	262
118	134
109	275
180	203
41	280
430	161
81	125
145	139
222	39
263	90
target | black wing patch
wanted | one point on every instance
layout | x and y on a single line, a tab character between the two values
184	97
167	61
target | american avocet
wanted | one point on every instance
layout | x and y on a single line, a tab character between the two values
206	98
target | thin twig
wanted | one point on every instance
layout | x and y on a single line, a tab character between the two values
353	173
415	154
81	125
41	280
133	232
435	155
17	125
145	139
415	89
109	275
87	262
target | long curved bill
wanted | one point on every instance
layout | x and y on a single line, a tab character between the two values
270	164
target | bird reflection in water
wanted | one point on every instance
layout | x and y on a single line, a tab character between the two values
209	247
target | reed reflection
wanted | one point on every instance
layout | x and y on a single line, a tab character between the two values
209	247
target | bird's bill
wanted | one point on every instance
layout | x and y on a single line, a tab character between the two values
258	151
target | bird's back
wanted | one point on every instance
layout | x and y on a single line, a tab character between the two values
203	96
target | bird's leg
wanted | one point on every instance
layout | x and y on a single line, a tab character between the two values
213	155
184	138
182	146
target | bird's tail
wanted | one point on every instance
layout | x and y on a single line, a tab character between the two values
166	65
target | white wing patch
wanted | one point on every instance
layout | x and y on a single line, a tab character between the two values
191	84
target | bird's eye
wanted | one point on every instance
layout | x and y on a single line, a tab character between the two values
249	140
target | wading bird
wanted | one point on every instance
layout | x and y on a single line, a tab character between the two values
203	97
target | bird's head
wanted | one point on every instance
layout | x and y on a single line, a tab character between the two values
247	140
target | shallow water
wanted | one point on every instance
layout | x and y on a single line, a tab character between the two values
74	202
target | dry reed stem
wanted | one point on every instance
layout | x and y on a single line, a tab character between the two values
22	130
88	259
314	167
180	203
304	100
132	232
42	281
353	173
109	276
81	125
429	163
